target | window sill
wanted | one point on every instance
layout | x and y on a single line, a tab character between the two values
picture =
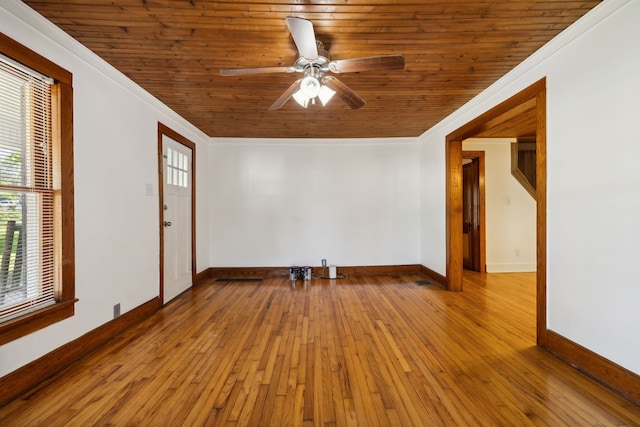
29	323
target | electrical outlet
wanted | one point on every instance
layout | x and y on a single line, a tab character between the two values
116	310
324	262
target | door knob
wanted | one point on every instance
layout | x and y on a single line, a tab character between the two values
167	223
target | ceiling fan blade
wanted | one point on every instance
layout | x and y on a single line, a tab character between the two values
303	36
343	92
259	70
371	63
285	96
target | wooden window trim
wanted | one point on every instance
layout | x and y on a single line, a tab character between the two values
62	129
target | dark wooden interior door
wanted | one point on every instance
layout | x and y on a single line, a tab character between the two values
471	215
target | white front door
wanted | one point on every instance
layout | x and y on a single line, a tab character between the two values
177	218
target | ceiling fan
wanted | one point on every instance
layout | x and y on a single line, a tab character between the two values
314	63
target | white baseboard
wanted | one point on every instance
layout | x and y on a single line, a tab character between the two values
511	267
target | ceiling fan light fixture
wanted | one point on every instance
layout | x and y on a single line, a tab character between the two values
325	94
301	98
310	86
313	62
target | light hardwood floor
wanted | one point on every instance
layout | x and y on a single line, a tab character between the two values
376	350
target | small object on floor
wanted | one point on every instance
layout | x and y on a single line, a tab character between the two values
333	272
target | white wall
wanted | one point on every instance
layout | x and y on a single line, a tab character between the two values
593	144
510	210
116	222
294	202
432	205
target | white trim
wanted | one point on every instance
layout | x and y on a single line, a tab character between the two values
315	141
511	268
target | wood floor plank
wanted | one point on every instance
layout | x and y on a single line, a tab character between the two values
275	420
365	351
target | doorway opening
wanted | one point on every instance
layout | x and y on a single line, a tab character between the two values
522	115
177	201
473	211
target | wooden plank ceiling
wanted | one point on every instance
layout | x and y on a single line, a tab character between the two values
175	49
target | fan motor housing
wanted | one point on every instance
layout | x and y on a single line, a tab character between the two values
321	62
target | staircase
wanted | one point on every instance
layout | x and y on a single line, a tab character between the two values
523	163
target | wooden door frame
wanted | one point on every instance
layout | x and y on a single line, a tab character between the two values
166	131
497	117
482	236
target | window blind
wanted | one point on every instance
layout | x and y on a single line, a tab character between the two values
26	192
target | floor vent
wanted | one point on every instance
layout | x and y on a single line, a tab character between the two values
423	282
239	279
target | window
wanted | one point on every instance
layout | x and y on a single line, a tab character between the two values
177	168
36	187
26	191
